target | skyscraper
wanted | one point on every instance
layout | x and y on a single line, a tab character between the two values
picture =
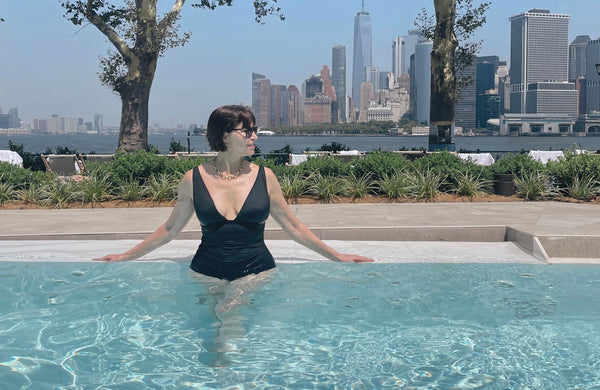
98	123
410	42
422	90
539	52
397	57
592	92
362	53
261	99
338	77
577	61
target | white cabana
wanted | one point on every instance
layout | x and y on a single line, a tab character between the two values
478	158
545	155
11	157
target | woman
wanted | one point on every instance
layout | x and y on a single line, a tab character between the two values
232	198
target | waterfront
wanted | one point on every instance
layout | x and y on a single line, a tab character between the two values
95	143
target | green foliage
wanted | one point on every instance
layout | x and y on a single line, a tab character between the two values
162	187
30	195
93	189
471	184
176	146
360	186
396	185
326	188
293	186
334	147
325	166
130	191
21	177
7	192
59	193
426	184
380	164
280	156
517	164
574	166
583	188
535	186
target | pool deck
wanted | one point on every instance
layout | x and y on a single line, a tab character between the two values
553	232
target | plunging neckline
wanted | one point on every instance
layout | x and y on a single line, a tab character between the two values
213	201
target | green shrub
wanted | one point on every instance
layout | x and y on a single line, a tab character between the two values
583	188
574	166
360	186
22	177
162	187
471	184
325	166
426	185
396	185
517	164
7	192
380	164
326	188
535	186
30	194
93	189
130	191
59	193
293	186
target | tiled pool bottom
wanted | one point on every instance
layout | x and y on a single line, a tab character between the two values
313	325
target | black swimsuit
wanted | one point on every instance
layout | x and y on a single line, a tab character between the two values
231	249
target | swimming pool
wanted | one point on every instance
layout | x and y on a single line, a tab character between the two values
315	325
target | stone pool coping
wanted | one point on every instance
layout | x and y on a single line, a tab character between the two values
553	232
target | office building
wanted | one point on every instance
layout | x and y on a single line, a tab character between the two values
261	99
98	123
592	93
317	110
486	80
295	106
362	53
577	57
538	52
13	118
338	78
397	53
552	97
371	76
410	43
422	78
465	108
368	95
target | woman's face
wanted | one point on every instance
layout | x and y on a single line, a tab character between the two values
241	140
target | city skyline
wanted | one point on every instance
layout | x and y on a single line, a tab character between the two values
50	66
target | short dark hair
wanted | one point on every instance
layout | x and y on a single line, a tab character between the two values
223	120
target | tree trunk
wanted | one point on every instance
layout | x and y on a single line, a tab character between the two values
133	133
443	78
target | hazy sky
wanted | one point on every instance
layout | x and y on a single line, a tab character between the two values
48	66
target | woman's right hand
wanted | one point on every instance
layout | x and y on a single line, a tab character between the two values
113	257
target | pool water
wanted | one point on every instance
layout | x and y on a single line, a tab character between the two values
312	326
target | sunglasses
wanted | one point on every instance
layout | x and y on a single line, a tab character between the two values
248	132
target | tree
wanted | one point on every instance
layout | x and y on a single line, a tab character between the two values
452	52
140	36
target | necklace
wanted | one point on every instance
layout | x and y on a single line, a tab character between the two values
228	176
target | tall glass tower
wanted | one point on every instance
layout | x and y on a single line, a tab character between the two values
338	76
539	51
362	53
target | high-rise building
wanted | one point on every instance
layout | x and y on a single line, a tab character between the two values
592	93
465	108
577	62
362	52
371	76
329	90
295	106
538	52
410	43
552	97
98	123
312	87
13	118
367	93
338	78
317	110
485	81
422	78
261	99
397	52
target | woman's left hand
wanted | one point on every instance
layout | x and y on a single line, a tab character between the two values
352	258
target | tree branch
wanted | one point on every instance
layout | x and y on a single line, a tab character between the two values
107	30
171	16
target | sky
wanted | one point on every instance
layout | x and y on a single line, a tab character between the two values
49	66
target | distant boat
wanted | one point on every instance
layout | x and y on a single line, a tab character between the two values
265	132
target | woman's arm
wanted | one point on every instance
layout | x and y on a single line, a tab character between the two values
281	212
183	210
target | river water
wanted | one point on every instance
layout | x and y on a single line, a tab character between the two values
101	144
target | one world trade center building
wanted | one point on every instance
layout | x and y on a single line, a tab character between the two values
362	53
